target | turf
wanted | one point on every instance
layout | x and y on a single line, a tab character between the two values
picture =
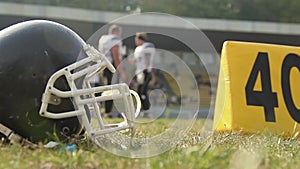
195	150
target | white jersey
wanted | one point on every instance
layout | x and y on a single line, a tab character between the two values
143	54
106	42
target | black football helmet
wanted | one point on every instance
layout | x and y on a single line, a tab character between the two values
45	70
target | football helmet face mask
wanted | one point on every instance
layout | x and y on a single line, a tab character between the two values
45	69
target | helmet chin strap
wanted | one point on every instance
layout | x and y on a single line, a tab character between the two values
13	137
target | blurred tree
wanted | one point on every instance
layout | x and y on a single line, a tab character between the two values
190	8
258	10
268	10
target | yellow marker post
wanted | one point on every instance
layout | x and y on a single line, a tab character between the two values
258	89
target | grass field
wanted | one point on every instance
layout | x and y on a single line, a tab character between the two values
219	150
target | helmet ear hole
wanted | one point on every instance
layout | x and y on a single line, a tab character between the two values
66	130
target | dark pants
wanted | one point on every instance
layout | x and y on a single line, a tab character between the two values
108	104
143	90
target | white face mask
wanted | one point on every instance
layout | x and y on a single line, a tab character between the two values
84	98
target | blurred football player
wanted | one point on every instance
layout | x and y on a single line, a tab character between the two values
143	57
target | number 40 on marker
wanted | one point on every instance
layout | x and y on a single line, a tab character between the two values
267	97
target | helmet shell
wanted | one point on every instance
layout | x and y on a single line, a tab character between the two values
30	52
